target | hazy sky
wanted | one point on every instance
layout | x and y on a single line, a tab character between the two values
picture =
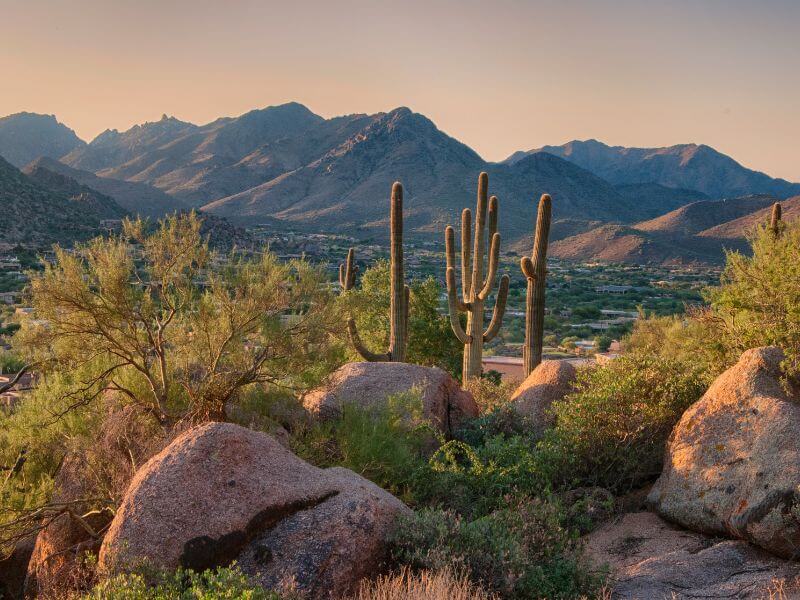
499	76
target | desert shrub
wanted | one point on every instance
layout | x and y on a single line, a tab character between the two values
519	552
422	585
386	443
149	314
687	337
9	361
612	430
758	300
490	394
223	583
476	480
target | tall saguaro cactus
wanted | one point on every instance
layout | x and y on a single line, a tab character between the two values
398	317
775	220
535	270
475	287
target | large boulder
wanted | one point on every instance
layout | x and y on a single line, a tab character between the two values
57	561
649	559
547	383
732	466
221	493
371	384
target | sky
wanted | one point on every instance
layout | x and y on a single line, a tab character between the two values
499	76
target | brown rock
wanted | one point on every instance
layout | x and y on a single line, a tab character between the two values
13	569
221	493
733	460
649	559
370	384
56	563
550	381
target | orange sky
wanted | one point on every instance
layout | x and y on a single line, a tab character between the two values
500	76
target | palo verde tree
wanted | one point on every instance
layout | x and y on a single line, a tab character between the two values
535	270
398	309
152	317
475	287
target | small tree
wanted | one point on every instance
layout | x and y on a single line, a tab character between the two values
758	300
148	315
430	340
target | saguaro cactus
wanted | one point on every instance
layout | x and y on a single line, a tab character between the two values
398	318
535	270
775	220
475	287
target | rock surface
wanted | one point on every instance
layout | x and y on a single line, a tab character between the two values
733	460
57	558
220	492
13	570
370	384
649	559
550	381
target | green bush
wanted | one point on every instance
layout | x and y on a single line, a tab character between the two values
386	444
228	584
612	430
520	552
758	300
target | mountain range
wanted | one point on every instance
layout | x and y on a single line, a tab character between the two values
285	164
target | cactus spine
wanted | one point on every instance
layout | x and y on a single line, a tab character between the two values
398	317
475	287
535	270
775	220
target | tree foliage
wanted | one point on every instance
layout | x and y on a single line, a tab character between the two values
155	317
431	342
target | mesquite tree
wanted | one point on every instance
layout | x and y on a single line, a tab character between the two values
535	270
475	286
398	332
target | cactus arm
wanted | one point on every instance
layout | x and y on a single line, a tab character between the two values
775	220
492	216
526	264
355	339
499	310
449	246
494	259
455	307
466	260
479	237
347	271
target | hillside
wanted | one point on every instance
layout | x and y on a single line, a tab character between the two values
25	136
698	216
689	166
134	197
736	229
696	233
340	189
286	163
49	208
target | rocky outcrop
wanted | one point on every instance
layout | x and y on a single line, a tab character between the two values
56	563
371	384
13	569
220	493
550	381
733	460
649	559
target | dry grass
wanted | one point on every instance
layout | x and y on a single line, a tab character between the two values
424	585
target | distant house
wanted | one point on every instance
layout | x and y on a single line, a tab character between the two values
613	289
8	297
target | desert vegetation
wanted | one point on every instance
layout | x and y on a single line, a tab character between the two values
141	337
